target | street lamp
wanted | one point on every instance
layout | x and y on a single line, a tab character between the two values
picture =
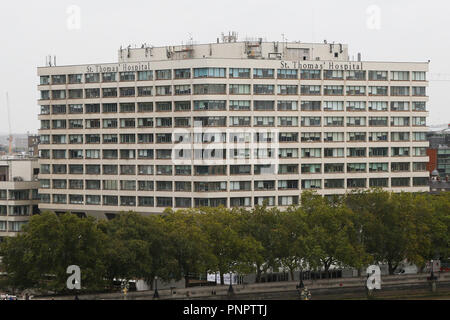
230	289
301	285
156	294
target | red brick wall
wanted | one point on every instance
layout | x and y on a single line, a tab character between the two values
432	165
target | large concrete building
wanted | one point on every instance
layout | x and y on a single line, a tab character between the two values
19	197
228	123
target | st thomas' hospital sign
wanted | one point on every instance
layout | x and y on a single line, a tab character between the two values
302	65
121	67
321	65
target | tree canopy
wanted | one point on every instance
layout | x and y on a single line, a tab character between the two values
354	231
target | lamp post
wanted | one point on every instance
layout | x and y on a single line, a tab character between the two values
156	294
432	278
301	285
230	289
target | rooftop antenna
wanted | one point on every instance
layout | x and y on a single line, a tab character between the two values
10	138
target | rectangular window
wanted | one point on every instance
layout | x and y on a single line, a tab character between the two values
128	92
145	106
243	73
333	121
311	137
201	89
239	105
378	91
355	75
310	74
287	105
419	76
109	77
378	75
263	89
263	73
356	152
356	91
287	74
310	90
287	89
92	108
400	151
399	106
333	137
182	106
311	105
163	74
92	93
264	105
356	106
378	152
356	167
378	167
400	182
333	90
311	184
400	76
334	183
333	106
356	183
59	79
127	76
239	89
183	90
109	92
145	91
209	73
145	75
182	73
311	153
333	75
164	106
399	91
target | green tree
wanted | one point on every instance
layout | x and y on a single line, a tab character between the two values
260	224
234	252
187	245
332	235
128	254
291	240
38	258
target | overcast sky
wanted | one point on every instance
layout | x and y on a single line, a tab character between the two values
407	30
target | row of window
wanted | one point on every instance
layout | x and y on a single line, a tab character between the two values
198	187
12	226
18	195
200	138
222	154
233	121
233	105
233	89
233	73
16	210
186	170
259	169
164	202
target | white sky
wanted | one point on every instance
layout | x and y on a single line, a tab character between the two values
410	30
